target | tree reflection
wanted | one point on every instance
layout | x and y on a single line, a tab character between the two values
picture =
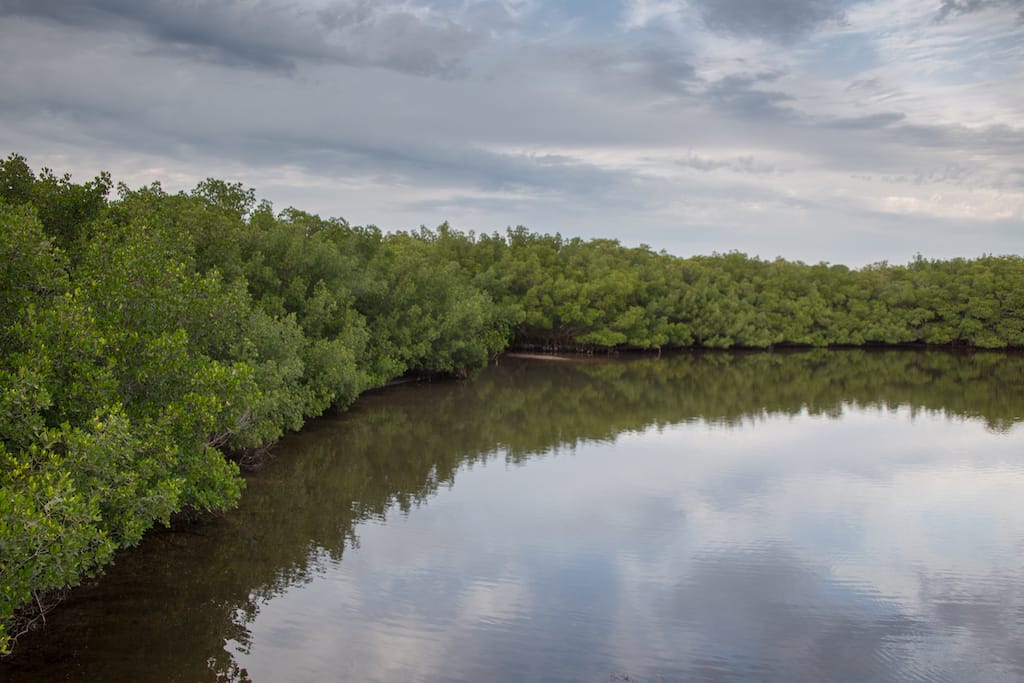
184	600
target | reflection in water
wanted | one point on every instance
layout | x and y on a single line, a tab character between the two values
797	516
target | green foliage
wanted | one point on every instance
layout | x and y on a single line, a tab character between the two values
31	270
144	337
577	295
49	534
16	180
64	208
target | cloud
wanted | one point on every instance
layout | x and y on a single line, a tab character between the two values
740	95
655	69
687	124
954	8
780	21
733	593
997	140
866	122
746	164
267	35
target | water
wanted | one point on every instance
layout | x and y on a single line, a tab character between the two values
793	517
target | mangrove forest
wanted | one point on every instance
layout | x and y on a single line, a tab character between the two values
154	343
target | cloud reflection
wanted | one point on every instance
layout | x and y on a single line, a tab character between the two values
875	545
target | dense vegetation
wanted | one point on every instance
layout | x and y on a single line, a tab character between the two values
145	337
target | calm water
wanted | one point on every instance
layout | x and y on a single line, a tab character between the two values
792	517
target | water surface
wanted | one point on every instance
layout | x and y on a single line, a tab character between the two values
789	516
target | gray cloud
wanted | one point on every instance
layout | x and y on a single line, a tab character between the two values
489	171
746	164
273	36
740	95
956	174
954	8
781	21
869	122
655	68
998	140
404	157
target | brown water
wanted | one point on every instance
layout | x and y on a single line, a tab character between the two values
811	516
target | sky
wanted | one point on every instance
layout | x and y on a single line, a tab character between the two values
844	131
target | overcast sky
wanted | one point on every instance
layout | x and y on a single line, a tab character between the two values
847	131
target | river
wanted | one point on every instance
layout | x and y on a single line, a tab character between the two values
800	516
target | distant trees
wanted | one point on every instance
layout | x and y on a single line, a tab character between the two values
145	336
596	295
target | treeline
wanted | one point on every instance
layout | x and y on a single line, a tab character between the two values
146	335
575	294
